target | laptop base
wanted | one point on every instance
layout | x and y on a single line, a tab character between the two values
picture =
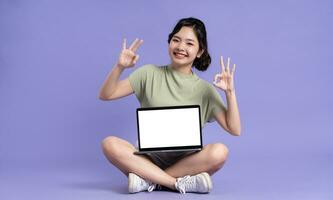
171	150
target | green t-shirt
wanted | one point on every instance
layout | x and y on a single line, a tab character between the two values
163	86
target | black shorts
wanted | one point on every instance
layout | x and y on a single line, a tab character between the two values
166	159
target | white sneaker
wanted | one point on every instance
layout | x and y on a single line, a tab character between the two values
200	183
138	184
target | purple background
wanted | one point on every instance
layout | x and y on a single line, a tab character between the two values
55	55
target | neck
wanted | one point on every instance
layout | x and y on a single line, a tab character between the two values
182	69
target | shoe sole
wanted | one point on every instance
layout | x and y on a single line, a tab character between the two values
208	180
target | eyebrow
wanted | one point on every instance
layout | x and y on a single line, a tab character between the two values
185	39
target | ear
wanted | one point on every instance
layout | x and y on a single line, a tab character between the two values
200	53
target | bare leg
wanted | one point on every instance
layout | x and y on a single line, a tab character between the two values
120	153
210	159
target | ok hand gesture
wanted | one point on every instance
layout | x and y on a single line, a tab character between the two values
128	56
225	80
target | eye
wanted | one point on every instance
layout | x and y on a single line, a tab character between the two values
175	40
190	44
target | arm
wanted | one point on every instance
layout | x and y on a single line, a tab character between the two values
229	119
113	88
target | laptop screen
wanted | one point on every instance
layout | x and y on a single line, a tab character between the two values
169	127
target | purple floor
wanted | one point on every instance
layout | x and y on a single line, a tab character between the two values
257	178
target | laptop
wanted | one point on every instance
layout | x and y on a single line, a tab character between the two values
169	129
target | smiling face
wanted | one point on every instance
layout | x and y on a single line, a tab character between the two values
184	47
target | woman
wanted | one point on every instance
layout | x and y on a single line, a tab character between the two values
173	84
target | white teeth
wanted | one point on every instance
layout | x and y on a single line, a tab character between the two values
179	54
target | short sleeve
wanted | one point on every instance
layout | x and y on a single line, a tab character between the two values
138	79
215	103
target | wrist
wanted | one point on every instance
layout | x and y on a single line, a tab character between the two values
119	66
230	92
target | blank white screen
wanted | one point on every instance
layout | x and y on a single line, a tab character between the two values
169	127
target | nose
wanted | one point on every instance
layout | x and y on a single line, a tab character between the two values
180	46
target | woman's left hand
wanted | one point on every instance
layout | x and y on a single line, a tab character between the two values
225	80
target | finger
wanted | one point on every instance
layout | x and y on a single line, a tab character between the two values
137	45
136	58
228	64
124	44
133	43
217	76
233	69
222	64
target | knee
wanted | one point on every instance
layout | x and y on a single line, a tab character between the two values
217	155
110	146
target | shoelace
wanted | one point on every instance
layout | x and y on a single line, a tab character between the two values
144	183
151	187
158	187
185	183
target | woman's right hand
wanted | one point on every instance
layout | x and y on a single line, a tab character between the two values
128	56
